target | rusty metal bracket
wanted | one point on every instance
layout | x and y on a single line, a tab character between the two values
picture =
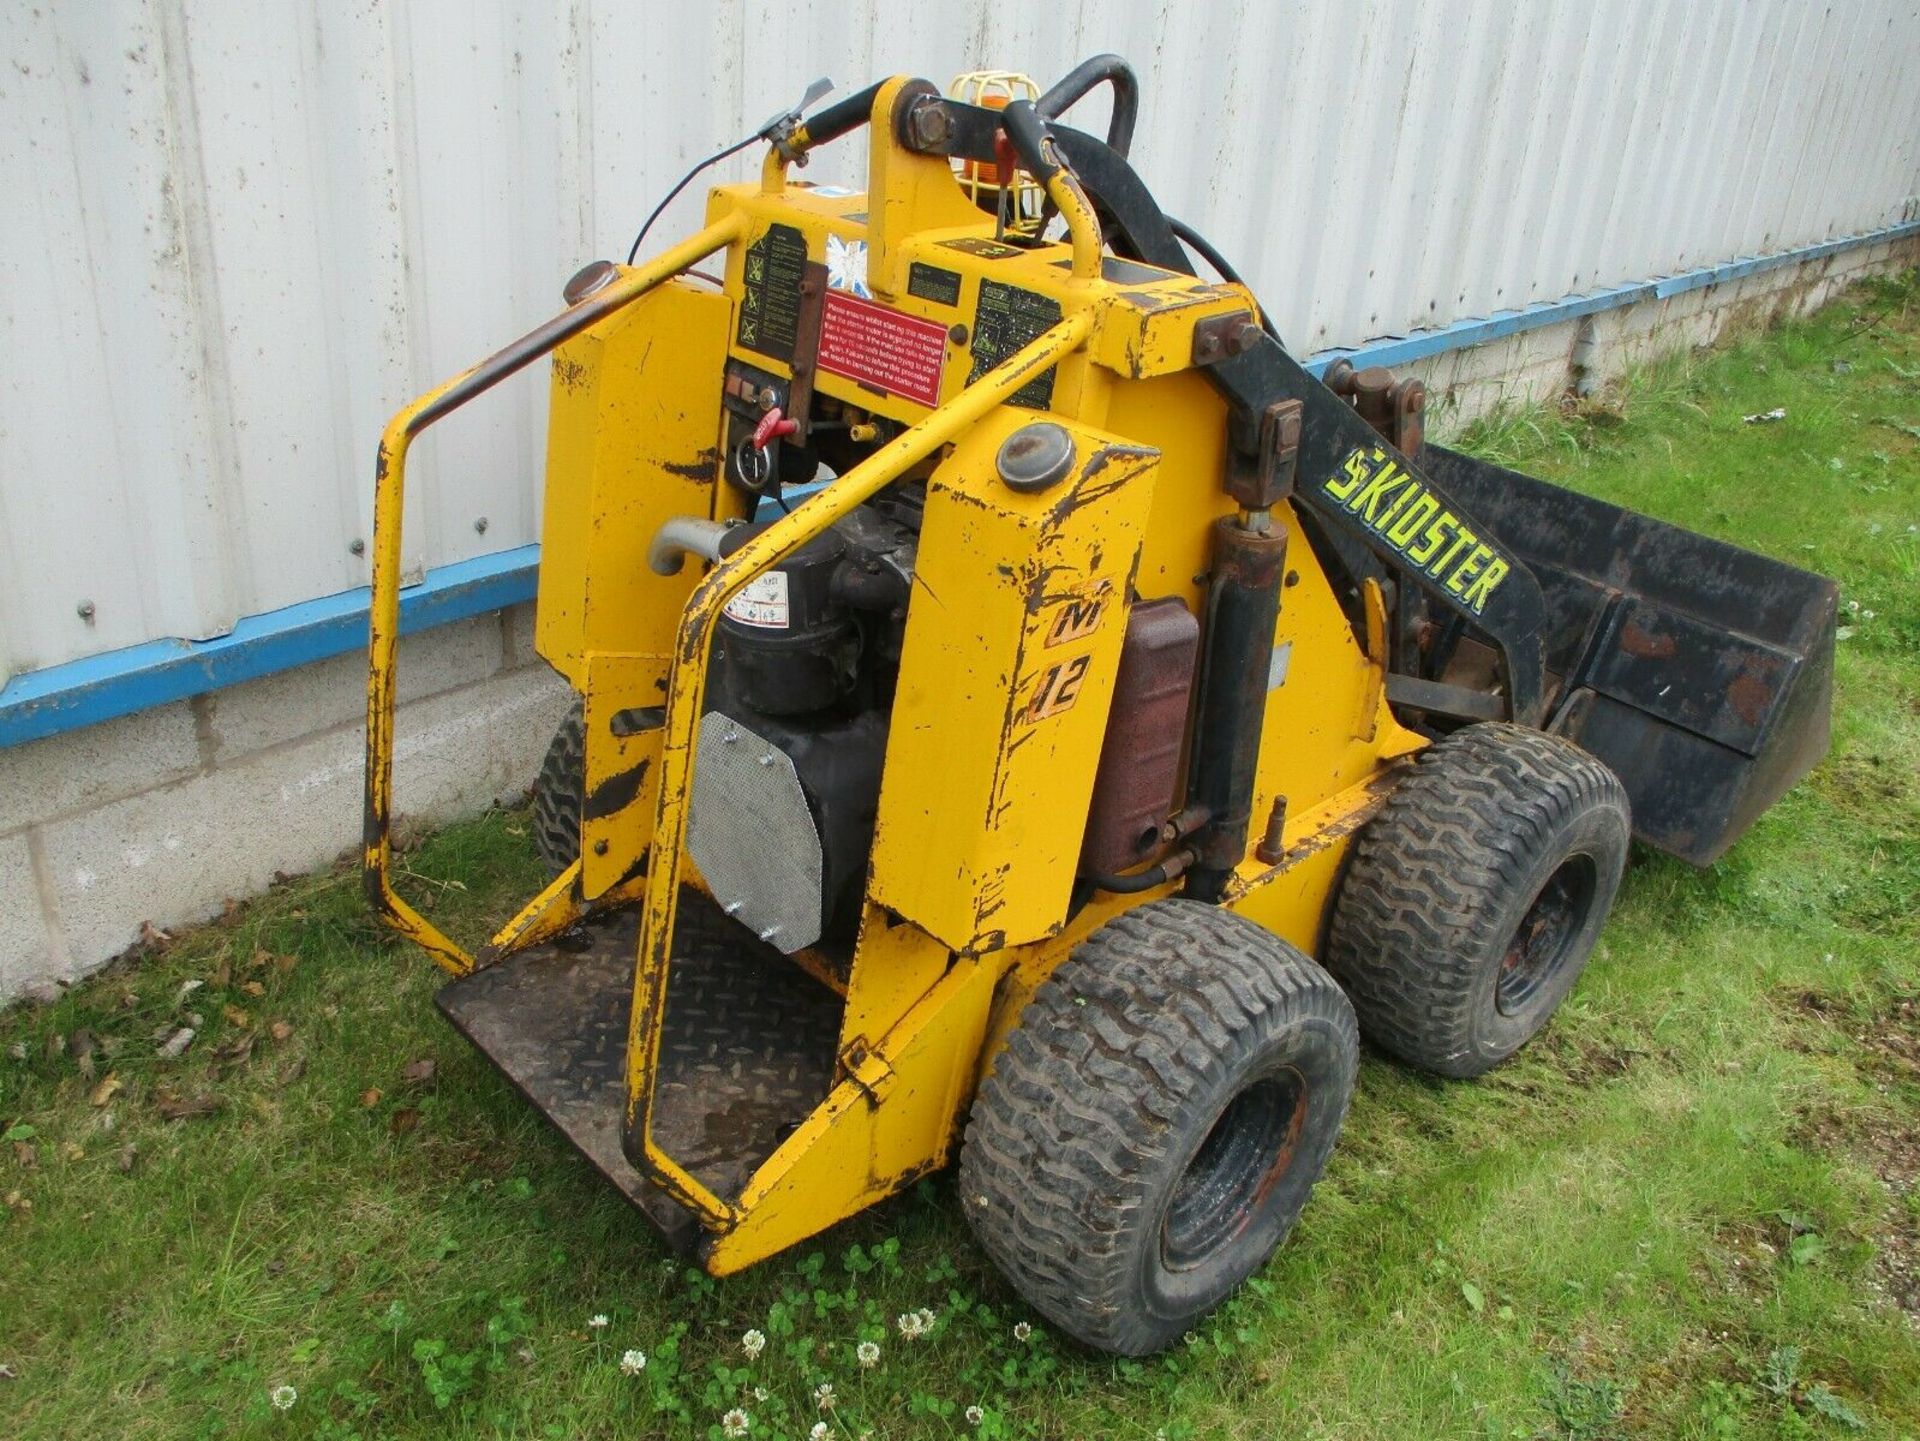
1263	477
813	299
1221	337
1395	408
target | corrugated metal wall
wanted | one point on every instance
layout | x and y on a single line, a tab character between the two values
236	236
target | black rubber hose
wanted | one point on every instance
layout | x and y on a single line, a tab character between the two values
841	116
1141	880
1028	132
1204	248
1075	84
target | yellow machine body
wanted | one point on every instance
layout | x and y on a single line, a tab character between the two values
1012	636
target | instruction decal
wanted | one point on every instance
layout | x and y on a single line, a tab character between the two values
883	349
930	282
770	306
762	601
1006	321
1418	526
981	247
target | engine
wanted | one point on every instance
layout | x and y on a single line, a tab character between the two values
788	755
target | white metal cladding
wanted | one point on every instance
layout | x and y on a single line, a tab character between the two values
235	236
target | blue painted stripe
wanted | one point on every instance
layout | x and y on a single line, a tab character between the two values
100	687
1464	334
116	683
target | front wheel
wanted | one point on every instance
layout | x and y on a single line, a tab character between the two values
1156	1122
1476	895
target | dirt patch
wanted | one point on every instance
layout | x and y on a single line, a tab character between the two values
1590	1059
1883	1043
1872	786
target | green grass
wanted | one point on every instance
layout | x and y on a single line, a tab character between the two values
1688	1210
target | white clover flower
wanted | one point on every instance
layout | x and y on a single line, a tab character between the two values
736	1422
598	1322
927	1318
910	1324
975	1415
823	1395
632	1363
868	1354
819	1432
1022	1330
283	1397
759	1393
753	1343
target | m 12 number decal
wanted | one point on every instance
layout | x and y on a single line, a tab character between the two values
1418	526
1076	618
1059	688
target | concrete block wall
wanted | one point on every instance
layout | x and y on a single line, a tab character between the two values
162	817
1537	365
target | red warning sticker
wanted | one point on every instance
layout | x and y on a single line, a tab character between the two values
868	343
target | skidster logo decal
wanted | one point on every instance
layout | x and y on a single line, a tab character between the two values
1390	502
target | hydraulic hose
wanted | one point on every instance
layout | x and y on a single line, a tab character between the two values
1077	82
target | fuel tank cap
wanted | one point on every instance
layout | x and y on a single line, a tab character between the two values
1035	457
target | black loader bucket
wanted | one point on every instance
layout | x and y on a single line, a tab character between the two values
1700	672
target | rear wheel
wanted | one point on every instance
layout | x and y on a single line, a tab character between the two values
1476	895
1157	1119
557	793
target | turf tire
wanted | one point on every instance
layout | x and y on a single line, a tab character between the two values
1475	896
557	793
1156	1121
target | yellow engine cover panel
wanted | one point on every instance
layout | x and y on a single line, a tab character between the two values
633	438
1013	638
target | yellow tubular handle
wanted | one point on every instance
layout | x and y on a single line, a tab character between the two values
1083	226
686	693
388	509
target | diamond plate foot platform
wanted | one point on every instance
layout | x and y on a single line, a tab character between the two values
747	1051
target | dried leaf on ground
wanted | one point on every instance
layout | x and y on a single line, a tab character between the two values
280	1030
175	1046
419	1073
129	1157
182	1108
81	1045
236	1016
403	1120
106	1090
234	1054
26	1155
254	989
370	1097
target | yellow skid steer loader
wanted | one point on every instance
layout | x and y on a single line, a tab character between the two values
1024	713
